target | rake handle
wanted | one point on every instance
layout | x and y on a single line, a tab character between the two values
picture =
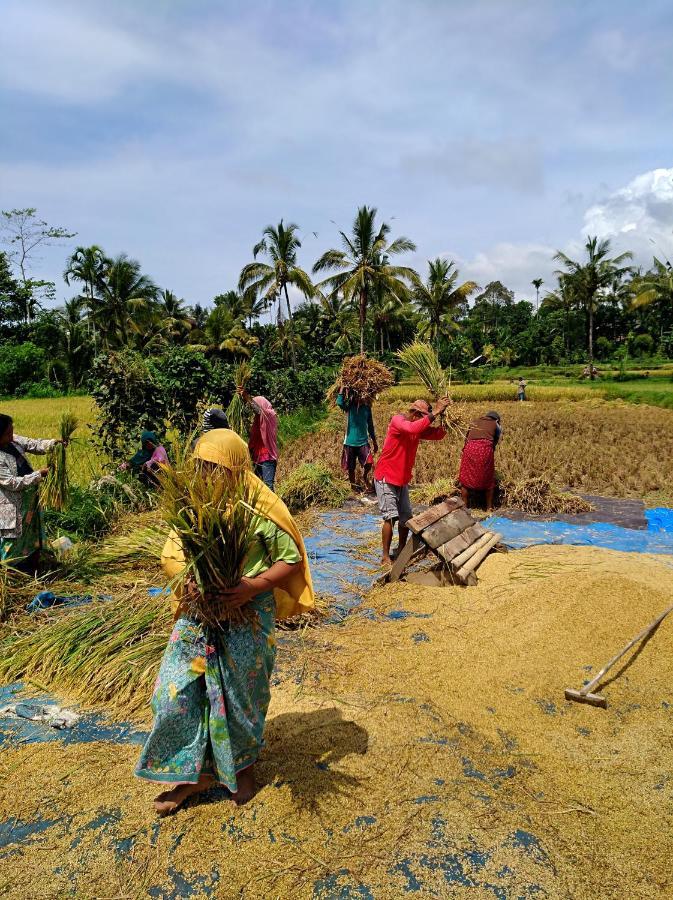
587	689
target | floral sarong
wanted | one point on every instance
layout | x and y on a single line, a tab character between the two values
31	536
477	465
210	700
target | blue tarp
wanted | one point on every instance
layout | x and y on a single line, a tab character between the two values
658	538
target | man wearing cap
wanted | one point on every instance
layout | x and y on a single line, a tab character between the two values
394	468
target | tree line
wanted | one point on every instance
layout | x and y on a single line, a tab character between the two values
357	296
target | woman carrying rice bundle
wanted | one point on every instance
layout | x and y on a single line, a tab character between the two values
213	688
477	462
20	514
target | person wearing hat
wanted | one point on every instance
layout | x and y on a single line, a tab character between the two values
394	468
477	461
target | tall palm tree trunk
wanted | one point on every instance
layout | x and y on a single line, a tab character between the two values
591	341
363	318
290	325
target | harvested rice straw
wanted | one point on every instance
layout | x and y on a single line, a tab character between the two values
312	484
236	410
140	545
362	378
55	489
539	496
422	359
213	517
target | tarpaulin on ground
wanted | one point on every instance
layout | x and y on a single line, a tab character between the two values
657	538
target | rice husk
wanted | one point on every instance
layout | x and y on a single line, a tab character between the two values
362	379
444	765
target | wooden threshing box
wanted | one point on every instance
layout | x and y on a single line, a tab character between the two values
458	541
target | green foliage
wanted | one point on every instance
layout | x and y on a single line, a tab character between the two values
20	366
288	389
183	377
88	516
128	397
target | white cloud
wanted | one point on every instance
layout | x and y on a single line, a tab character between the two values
514	164
515	265
638	217
49	50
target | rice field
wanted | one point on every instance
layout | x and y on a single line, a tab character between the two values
41	419
577	440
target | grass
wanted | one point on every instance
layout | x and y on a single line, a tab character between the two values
312	484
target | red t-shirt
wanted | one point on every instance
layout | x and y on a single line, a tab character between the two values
398	456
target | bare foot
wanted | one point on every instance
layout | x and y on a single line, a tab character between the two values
168	802
387	562
246	787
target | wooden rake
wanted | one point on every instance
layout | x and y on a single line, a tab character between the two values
585	694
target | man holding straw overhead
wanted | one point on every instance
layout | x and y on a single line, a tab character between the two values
395	466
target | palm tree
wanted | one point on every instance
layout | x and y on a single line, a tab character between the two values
340	321
226	333
537	284
73	347
174	317
124	299
280	245
591	278
363	263
87	265
655	287
440	296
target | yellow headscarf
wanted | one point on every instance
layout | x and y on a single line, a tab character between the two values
225	448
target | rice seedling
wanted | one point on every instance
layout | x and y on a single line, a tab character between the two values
312	484
55	488
362	379
213	518
422	360
236	411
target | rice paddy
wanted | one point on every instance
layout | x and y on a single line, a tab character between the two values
423	746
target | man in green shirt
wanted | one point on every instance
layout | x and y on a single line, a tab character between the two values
359	430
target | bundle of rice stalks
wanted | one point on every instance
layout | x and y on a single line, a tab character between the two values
538	496
422	359
140	545
55	489
236	412
361	379
213	517
107	652
312	484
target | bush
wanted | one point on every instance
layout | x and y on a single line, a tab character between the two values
91	511
183	377
42	390
288	389
604	347
129	398
642	345
21	365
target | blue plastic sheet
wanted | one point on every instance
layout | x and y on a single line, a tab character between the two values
658	538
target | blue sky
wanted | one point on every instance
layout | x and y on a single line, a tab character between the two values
492	131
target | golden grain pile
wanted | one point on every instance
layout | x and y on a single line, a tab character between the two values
592	446
433	754
363	378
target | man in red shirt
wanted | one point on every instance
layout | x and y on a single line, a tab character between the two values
394	468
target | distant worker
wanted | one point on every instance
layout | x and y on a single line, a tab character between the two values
214	418
521	389
146	462
20	514
263	443
359	429
477	462
394	469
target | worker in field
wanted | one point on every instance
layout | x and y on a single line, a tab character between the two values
521	389
20	514
359	430
477	462
394	468
263	443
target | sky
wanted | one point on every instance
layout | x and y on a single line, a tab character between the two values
492	132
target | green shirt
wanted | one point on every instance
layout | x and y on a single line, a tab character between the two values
360	423
272	545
